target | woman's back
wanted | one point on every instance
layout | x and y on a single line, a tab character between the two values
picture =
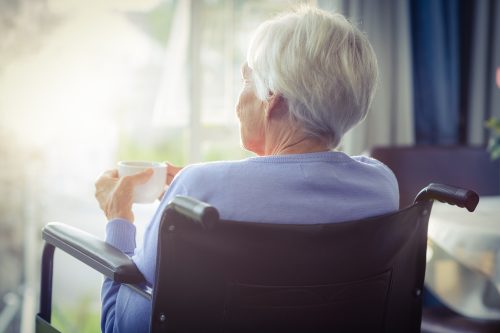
303	188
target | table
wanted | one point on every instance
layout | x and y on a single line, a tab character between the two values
463	258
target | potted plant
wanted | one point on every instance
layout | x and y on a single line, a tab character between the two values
494	143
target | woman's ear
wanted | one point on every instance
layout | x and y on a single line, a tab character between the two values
276	106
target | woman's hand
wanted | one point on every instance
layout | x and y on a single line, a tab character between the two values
172	170
115	194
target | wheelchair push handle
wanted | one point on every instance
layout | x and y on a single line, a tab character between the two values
196	210
450	194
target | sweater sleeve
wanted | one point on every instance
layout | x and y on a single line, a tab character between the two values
121	234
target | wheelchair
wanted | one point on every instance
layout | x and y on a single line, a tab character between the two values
217	275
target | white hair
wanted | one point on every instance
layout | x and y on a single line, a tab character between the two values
321	64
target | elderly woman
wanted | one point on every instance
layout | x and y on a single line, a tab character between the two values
309	77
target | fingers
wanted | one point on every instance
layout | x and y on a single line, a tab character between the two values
112	192
112	173
106	180
115	194
172	171
137	179
108	174
104	187
142	177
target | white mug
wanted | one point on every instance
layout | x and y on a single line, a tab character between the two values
153	188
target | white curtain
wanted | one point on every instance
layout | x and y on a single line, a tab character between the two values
171	106
387	25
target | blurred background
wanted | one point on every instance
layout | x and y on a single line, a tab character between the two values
86	83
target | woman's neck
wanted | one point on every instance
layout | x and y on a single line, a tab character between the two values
300	147
283	136
292	142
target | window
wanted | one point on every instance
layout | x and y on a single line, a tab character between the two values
193	116
85	84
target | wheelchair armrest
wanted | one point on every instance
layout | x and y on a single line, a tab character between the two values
94	252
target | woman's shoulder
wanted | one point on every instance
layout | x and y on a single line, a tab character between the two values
207	171
214	166
370	161
354	163
262	161
380	169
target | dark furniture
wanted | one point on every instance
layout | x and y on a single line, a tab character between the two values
417	166
469	167
228	276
